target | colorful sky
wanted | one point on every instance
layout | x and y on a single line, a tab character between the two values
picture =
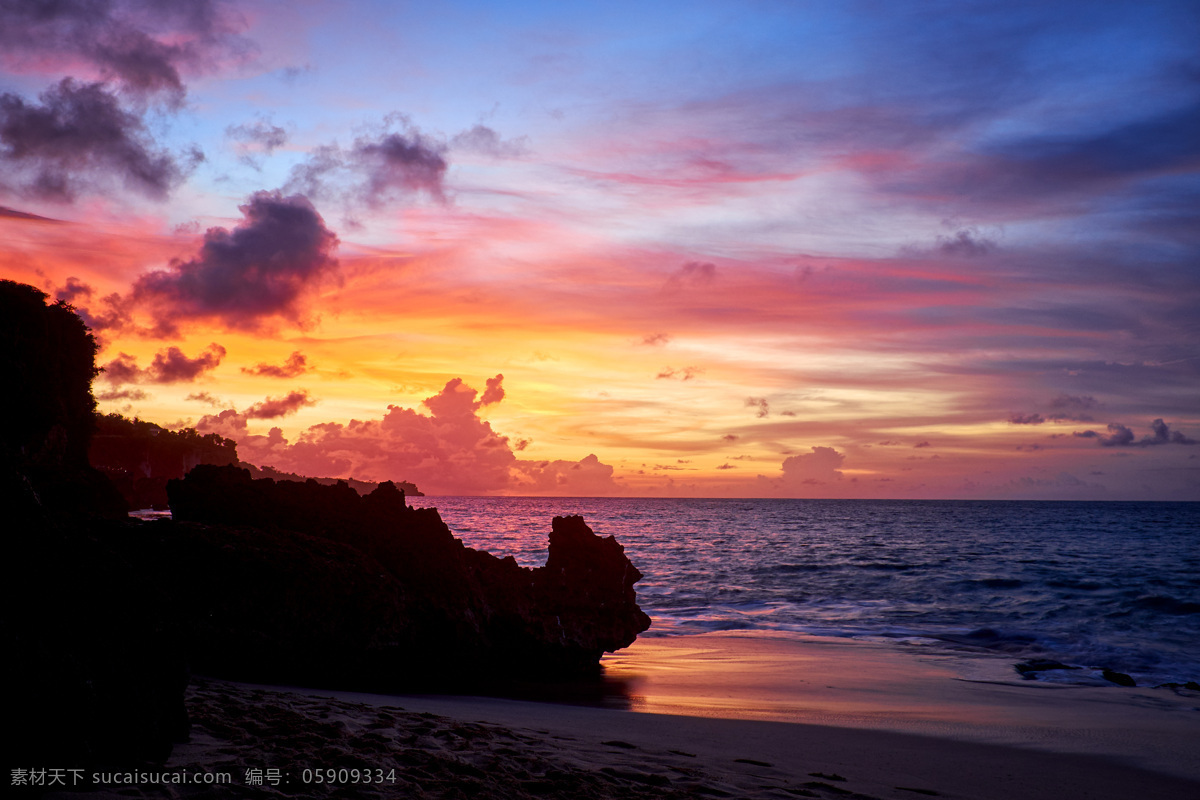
756	249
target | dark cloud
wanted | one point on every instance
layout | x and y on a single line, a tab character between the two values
274	407
1026	419
122	369
142	44
172	366
965	242
12	213
375	171
204	397
1121	436
1071	408
730	437
400	163
261	133
1065	163
312	176
115	313
1070	402
296	364
264	267
482	139
1162	434
693	273
121	394
80	139
71	290
654	339
760	405
168	366
684	374
257	139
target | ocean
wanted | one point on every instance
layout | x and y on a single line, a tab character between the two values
1092	585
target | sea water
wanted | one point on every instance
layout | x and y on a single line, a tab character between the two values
1094	585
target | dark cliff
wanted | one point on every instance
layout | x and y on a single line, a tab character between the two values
454	611
139	457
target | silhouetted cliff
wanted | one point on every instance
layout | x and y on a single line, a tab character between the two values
456	611
362	487
90	646
140	457
47	357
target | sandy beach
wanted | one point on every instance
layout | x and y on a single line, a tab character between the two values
721	715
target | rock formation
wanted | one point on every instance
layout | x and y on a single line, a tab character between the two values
450	610
91	649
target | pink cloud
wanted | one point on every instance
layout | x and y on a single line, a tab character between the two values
449	450
821	465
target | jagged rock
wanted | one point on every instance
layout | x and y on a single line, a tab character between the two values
463	612
1119	678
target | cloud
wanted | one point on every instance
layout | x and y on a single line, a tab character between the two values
494	392
1121	436
1069	402
12	213
72	289
260	138
228	423
448	450
168	366
819	466
274	407
172	366
485	141
375	171
80	139
684	374
655	339
121	394
205	397
1071	408
400	163
122	369
142	45
266	136
296	364
265	267
693	273
1026	419
965	242
583	478
760	404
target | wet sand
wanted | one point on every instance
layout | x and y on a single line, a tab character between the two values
715	716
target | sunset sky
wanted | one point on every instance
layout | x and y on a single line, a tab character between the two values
756	249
